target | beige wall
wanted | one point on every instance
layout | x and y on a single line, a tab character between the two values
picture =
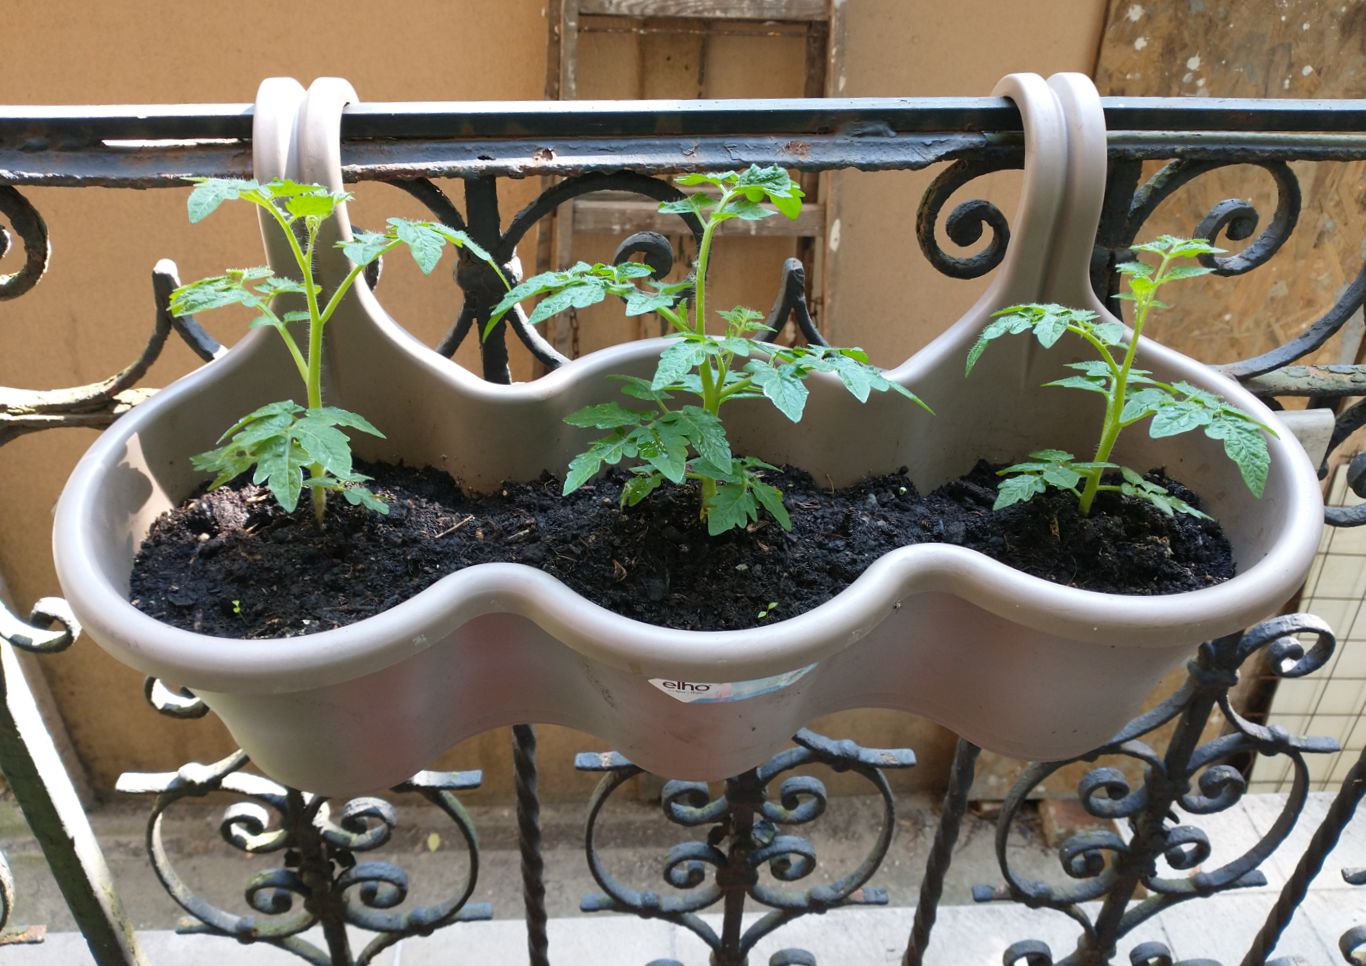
91	314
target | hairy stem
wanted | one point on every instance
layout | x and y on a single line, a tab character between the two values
1119	389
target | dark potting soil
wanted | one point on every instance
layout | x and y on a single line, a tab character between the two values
231	563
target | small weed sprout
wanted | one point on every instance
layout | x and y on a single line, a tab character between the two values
283	439
768	610
676	441
1131	395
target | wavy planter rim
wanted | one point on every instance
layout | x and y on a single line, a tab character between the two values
255	665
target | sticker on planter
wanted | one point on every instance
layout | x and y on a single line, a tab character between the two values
706	692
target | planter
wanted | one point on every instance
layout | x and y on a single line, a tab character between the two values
1011	662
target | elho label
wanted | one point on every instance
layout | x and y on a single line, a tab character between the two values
708	692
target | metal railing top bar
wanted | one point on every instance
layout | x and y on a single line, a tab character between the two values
146	146
87	124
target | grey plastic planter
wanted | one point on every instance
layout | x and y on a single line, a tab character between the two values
1013	663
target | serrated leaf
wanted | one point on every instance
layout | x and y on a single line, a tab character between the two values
323	444
1061	476
664	445
1111	333
578	295
1175	417
1143	402
604	416
287	407
707	434
772	500
693	204
1135	268
732	506
639	486
362	496
344	417
1246	446
721	179
318	203
610	449
782	386
424	242
1018	489
747	210
1175	272
365	246
280	466
640	303
209	193
1089	383
462	239
678	360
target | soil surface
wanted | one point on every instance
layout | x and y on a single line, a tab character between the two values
231	563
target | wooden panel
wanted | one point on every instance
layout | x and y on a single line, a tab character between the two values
711	9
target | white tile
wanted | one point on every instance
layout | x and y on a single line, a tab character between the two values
1342	577
1350	657
1295	696
1342	695
1339	614
1272	770
1223	928
1265	810
1350	540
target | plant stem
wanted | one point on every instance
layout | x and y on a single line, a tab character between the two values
315	361
1119	389
711	380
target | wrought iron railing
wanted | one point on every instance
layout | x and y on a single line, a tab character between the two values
321	879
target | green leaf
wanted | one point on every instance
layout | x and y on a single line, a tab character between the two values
722	179
604	416
287	407
365	246
344	417
707	434
640	303
1143	402
1245	444
361	496
664	445
1018	489
678	360
639	486
747	210
209	193
280	466
316	203
578	295
462	239
782	386
323	444
424	241
732	506
1111	333
1174	417
1175	272
609	449
1089	383
772	499
693	204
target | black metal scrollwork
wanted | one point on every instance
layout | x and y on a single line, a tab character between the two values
746	836
321	883
1196	777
